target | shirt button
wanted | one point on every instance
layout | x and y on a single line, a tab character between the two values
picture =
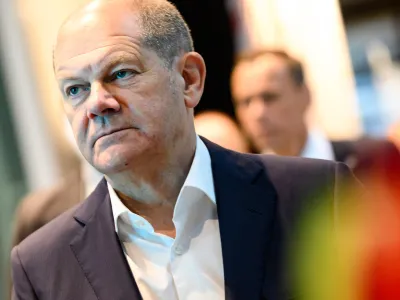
178	250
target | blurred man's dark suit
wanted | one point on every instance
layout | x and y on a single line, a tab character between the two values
259	201
370	158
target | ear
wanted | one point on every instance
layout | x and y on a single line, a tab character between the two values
193	71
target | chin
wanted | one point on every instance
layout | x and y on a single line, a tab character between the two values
113	161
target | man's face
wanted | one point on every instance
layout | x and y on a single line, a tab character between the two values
269	105
120	100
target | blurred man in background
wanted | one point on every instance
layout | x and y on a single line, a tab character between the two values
271	98
219	128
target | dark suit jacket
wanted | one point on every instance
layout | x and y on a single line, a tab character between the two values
259	200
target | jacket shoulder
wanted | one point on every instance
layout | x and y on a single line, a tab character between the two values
50	237
55	236
40	207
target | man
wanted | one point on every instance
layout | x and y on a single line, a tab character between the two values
271	99
219	128
176	217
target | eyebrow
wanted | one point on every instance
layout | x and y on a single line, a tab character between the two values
103	64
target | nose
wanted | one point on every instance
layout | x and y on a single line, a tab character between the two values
101	102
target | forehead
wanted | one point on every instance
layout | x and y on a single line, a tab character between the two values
267	67
94	33
264	72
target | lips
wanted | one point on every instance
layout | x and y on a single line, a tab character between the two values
109	132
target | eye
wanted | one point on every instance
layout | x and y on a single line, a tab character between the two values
269	97
244	103
73	91
76	90
122	74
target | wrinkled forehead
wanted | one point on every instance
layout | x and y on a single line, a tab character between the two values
96	28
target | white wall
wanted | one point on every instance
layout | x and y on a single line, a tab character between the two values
37	151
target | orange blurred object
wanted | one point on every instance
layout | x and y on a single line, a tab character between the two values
394	134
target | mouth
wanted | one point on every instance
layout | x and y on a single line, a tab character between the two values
110	132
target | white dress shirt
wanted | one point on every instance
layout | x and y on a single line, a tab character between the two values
318	146
190	266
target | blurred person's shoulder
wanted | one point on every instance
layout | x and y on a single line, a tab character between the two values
364	146
300	168
304	185
289	174
284	170
40	207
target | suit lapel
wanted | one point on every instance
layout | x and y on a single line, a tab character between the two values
246	203
98	250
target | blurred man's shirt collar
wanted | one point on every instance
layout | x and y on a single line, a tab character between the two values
317	146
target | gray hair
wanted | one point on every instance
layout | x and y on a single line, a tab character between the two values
163	29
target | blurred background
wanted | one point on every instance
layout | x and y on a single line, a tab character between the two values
350	50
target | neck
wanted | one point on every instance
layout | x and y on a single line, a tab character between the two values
156	182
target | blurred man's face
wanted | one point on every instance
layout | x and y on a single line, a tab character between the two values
122	103
270	106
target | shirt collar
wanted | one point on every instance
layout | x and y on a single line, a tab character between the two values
118	208
199	176
318	146
200	173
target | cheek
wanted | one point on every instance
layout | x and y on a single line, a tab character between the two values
242	117
247	122
292	113
155	107
147	112
280	111
143	102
